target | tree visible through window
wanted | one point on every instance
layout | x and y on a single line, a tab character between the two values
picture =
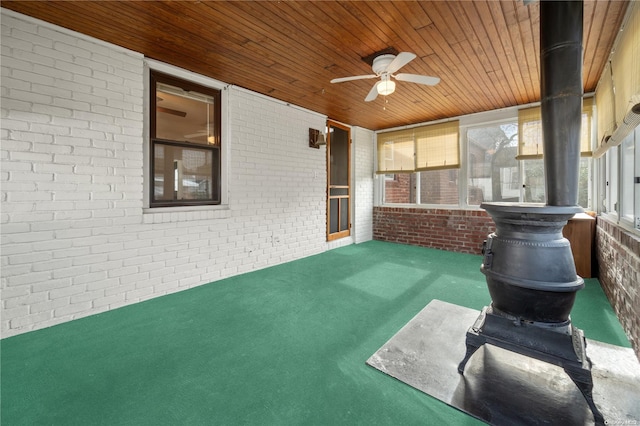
493	168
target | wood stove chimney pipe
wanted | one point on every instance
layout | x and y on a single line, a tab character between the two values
561	97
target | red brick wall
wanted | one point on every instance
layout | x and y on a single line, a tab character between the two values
439	187
618	253
398	189
462	231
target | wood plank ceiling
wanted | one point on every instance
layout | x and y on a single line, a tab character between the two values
484	51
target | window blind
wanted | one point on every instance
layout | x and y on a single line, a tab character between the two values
626	66
396	152
606	121
618	91
437	146
529	133
430	147
530	145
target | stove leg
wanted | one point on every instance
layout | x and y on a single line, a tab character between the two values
584	382
473	343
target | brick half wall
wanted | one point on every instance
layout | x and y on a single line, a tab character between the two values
461	231
618	253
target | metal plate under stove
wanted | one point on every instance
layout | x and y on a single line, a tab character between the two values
502	387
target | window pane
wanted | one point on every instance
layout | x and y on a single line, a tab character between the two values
344	214
184	116
184	174
627	162
334	192
492	165
333	214
601	163
585	133
400	189
439	187
339	156
637	173
533	181
584	183
611	201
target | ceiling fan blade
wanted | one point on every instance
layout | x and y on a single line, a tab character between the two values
400	61
354	77
196	135
171	111
420	79
373	93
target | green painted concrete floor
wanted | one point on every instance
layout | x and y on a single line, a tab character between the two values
285	345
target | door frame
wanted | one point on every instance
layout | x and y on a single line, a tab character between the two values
345	232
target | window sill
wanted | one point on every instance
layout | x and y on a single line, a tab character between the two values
184	214
623	223
431	206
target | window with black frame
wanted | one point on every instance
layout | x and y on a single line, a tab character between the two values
185	143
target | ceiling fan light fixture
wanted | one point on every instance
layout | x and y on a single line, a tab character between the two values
386	87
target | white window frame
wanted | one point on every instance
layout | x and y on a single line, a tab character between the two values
612	182
611	195
483	119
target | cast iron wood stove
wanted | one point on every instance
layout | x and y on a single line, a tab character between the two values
527	262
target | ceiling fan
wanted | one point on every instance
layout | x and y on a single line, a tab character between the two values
384	66
199	133
168	110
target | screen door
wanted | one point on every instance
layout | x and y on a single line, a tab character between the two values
338	181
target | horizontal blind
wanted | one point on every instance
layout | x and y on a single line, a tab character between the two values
585	132
529	133
625	63
604	104
438	146
396	152
432	147
618	91
530	145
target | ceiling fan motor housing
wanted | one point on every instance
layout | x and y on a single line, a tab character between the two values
381	63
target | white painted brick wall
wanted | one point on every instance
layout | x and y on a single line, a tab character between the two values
363	151
76	239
